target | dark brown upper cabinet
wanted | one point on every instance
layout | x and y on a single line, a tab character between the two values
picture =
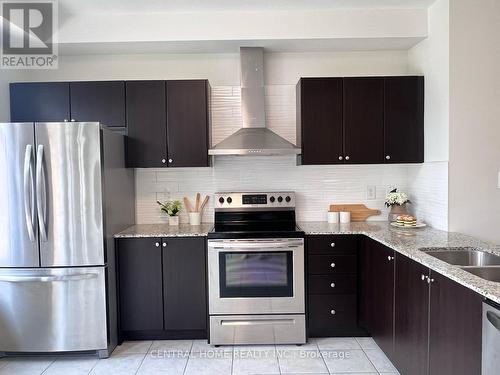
101	101
188	123
404	119
361	120
319	120
364	120
147	124
39	101
411	323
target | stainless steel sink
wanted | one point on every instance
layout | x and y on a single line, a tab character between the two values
487	273
464	257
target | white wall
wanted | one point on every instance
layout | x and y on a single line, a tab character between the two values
431	59
474	118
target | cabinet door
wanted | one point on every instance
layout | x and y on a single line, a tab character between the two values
455	328
44	102
404	119
411	316
140	284
102	102
319	120
187	123
381	309
184	278
147	124
364	120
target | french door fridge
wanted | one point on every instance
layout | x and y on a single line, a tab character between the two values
56	246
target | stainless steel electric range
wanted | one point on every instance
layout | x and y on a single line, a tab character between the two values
256	270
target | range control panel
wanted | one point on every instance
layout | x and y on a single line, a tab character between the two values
269	200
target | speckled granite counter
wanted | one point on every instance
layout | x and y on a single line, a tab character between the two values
164	230
409	242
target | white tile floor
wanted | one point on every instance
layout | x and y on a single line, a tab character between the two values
187	357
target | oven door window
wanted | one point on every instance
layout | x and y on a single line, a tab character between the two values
256	274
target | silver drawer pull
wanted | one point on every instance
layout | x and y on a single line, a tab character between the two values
332	265
157	244
332	285
256	322
332	244
333	312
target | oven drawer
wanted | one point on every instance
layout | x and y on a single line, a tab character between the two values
332	315
257	329
333	284
328	264
328	244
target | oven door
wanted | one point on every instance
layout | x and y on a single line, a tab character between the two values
256	276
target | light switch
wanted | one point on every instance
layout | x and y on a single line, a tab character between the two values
371	192
498	181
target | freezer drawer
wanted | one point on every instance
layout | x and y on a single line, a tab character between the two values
257	329
52	310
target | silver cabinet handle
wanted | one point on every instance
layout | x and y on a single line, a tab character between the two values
333	312
332	265
164	244
429	280
256	322
41	203
423	277
29	191
46	279
65	120
332	244
347	158
389	258
341	158
157	244
72	120
163	161
388	157
170	160
332	285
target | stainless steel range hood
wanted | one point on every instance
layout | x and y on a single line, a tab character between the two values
254	138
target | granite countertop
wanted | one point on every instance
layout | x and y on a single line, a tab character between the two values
409	242
165	230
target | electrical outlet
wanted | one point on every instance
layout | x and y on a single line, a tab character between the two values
498	182
371	192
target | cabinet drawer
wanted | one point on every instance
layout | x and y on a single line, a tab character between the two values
328	244
343	320
333	284
328	264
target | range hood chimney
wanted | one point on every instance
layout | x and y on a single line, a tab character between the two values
254	138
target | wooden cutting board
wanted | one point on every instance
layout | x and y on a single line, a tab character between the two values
359	212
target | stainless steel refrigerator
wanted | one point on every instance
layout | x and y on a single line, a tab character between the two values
64	192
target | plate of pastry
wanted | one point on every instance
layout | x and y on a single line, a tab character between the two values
407	221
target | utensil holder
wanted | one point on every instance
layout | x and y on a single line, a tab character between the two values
195	218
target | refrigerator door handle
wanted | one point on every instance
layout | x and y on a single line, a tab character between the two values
41	204
29	197
37	279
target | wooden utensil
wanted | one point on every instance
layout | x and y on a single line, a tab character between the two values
359	212
204	203
188	205
197	206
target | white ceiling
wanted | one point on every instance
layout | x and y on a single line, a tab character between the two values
146	6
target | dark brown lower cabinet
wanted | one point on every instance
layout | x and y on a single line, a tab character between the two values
162	288
455	328
140	285
184	274
411	328
377	297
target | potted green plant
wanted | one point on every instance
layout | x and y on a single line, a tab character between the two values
397	201
172	209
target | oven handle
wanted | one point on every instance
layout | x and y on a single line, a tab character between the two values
254	245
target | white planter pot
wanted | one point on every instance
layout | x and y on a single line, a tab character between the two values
173	220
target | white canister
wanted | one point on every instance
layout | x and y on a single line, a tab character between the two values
195	218
333	217
345	217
